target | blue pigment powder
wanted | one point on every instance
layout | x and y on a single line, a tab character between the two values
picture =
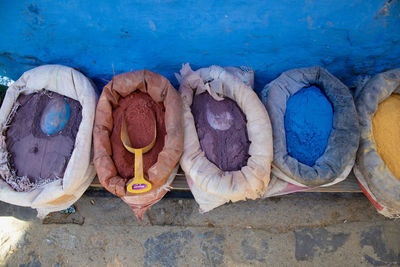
308	124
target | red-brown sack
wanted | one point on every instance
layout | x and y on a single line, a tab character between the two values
162	173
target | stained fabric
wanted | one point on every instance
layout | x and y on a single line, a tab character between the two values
378	181
336	162
162	172
79	171
210	185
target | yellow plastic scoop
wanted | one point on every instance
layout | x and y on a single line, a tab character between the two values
139	184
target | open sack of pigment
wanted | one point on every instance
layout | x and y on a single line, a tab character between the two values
47	119
377	167
228	138
138	138
315	130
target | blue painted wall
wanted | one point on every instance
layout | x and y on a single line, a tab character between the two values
348	37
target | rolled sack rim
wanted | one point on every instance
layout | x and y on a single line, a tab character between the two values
160	90
251	181
345	127
388	209
75	85
379	179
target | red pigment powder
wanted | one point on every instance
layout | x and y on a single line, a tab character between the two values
139	110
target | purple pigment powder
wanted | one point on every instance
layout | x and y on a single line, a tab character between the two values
39	157
221	127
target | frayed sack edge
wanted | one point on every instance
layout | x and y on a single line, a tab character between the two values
380	207
211	186
58	194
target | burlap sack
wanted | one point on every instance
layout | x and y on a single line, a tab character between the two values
375	178
162	173
211	186
339	156
79	173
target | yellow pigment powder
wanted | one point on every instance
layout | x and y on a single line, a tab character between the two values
386	130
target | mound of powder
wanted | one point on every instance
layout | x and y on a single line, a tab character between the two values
221	127
37	157
139	110
386	131
308	124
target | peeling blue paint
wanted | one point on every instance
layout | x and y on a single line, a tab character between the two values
349	38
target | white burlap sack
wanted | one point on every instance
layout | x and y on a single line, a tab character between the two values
210	185
79	173
377	181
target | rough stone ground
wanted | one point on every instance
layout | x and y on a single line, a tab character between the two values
306	229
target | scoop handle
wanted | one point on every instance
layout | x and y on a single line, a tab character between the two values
139	184
138	164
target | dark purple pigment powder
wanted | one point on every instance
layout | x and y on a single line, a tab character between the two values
40	157
221	127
